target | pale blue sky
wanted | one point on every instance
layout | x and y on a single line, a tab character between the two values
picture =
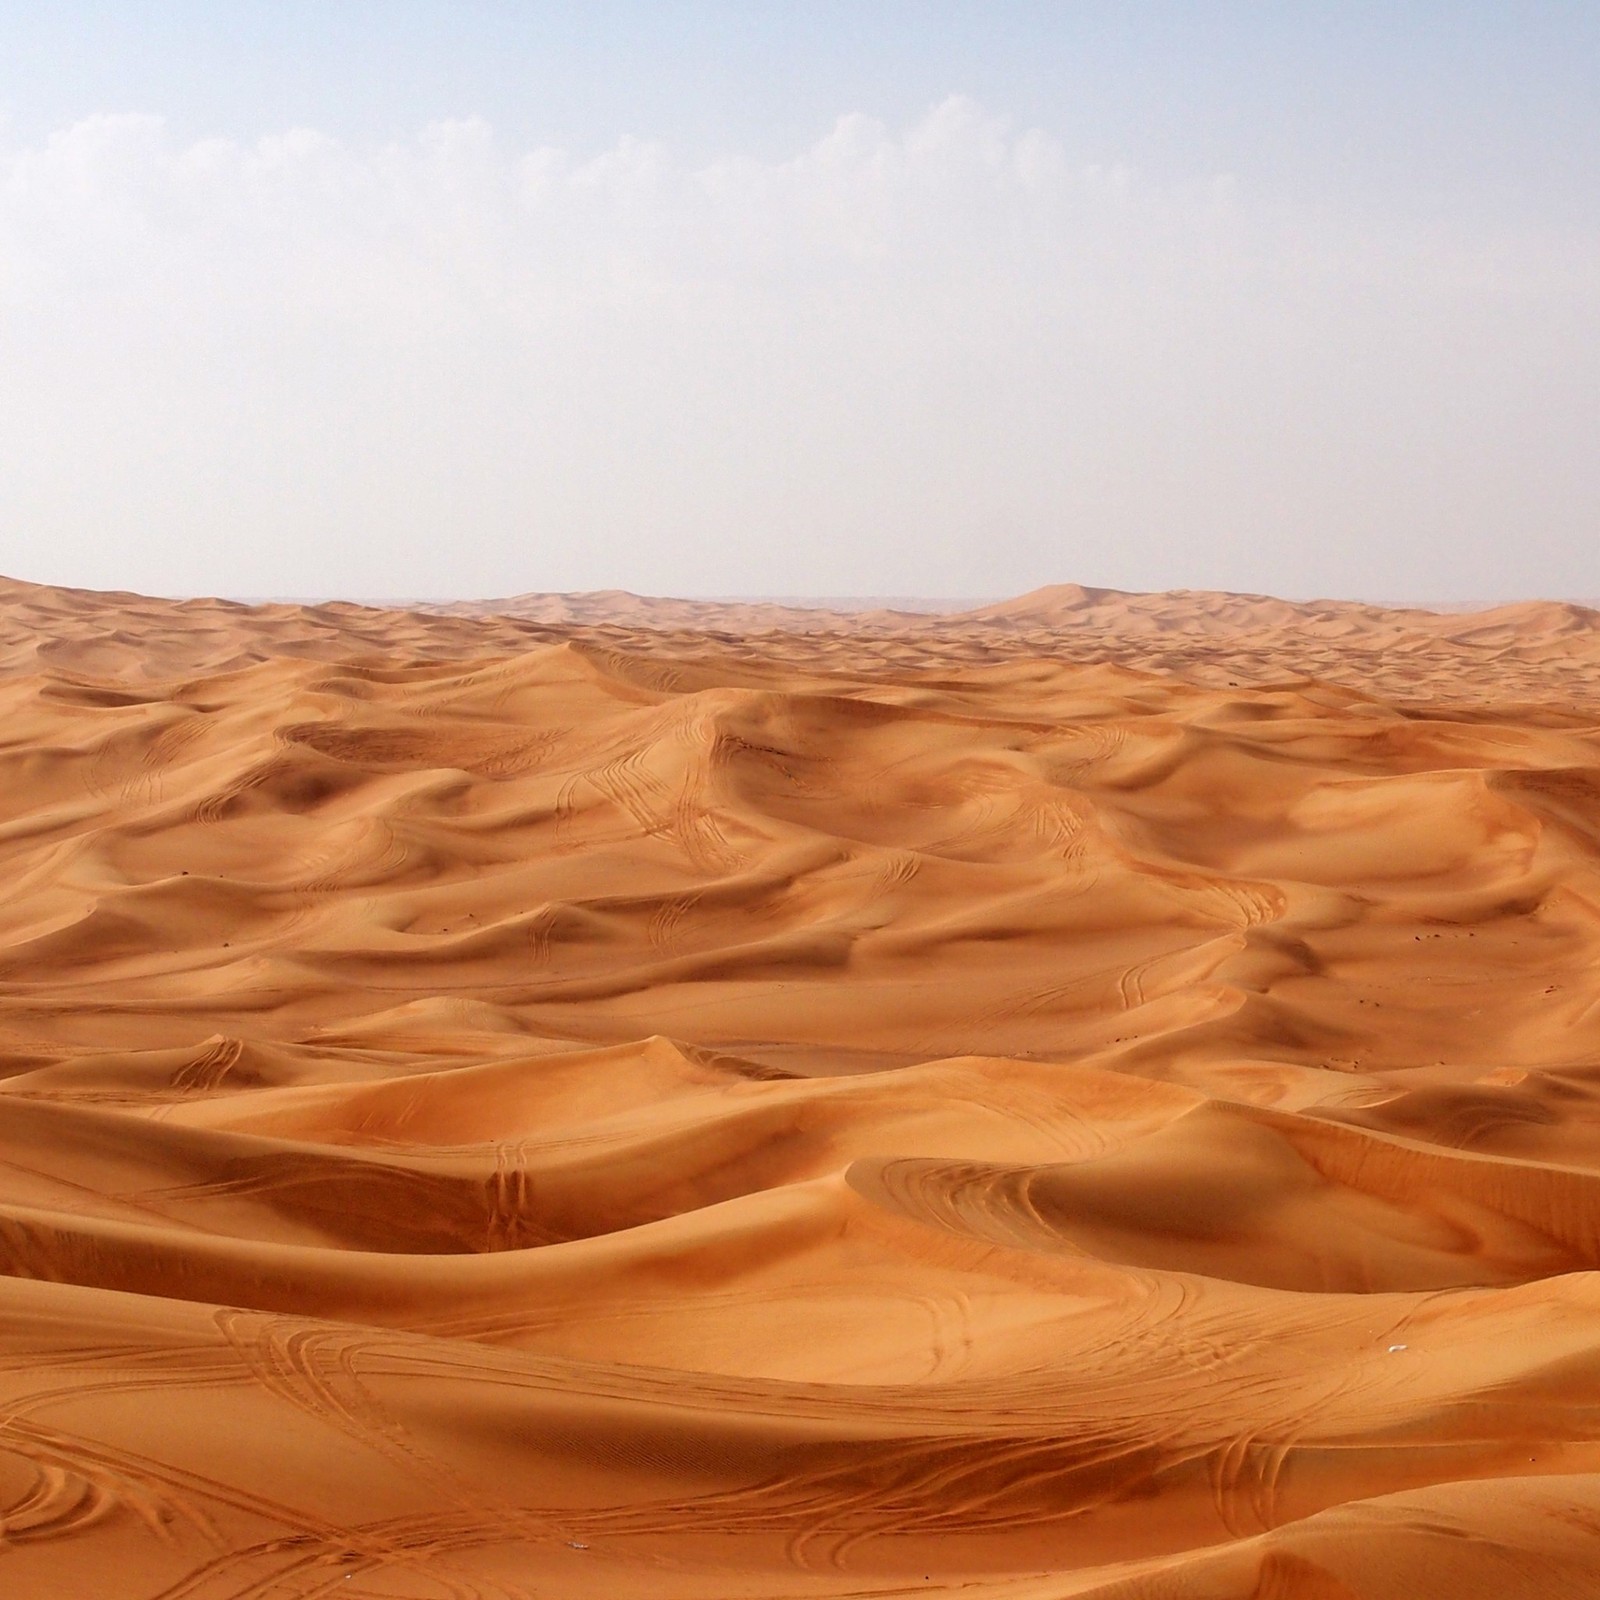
1422	105
468	297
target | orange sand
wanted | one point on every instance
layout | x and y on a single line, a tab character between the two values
1099	1096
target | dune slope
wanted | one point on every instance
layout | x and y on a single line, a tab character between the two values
1094	1096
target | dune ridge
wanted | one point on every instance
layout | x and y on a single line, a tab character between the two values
1095	1095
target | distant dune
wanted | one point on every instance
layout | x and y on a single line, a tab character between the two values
1541	651
591	1096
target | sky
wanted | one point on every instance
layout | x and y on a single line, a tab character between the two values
459	298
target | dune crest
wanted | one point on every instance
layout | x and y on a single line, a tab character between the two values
1093	1095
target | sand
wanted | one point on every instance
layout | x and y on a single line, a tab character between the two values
1095	1096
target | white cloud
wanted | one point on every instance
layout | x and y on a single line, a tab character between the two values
945	358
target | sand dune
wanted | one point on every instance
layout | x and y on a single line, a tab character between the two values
1097	1095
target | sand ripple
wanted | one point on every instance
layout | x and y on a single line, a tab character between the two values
1095	1096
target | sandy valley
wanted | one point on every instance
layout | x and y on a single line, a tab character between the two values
1094	1096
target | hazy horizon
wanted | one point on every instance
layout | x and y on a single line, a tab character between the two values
942	300
931	604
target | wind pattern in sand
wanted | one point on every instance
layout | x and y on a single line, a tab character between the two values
1099	1096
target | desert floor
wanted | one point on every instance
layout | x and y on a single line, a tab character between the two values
1094	1096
